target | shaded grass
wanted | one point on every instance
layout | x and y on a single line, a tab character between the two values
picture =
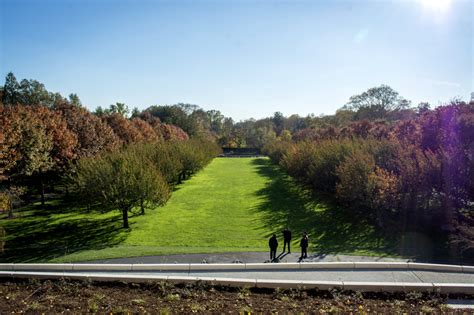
332	230
232	205
39	234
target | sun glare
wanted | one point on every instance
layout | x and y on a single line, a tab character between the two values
437	5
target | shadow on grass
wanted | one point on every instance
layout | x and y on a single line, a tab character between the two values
40	234
284	203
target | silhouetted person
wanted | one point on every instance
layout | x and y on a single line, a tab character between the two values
304	246
286	240
273	243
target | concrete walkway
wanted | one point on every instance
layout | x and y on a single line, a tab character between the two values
244	257
365	276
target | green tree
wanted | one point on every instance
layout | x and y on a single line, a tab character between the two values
75	100
376	102
119	108
11	90
121	180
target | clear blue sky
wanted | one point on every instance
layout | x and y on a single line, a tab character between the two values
244	58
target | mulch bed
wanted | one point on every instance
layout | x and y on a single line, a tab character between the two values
73	297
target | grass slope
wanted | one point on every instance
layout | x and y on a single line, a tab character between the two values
232	205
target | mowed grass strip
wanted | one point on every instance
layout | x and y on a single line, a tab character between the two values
233	205
214	209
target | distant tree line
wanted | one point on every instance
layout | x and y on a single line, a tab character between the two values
414	174
379	104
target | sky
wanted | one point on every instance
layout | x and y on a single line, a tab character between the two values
244	58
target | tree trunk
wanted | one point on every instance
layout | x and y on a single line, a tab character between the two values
10	209
142	207
42	190
125	218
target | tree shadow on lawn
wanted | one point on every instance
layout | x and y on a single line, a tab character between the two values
39	236
331	231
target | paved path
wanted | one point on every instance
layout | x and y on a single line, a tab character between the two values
368	276
413	276
245	257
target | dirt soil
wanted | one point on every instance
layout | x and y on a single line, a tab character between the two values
79	297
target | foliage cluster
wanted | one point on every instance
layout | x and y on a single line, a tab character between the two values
139	175
42	135
413	175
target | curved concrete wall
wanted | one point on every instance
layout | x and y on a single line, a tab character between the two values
459	288
250	266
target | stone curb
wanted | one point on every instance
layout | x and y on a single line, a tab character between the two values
458	288
241	266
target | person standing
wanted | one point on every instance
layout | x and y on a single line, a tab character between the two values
286	239
273	243
304	246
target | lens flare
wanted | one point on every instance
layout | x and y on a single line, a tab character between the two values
436	5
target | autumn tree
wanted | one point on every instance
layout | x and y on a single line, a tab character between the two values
123	128
93	134
148	133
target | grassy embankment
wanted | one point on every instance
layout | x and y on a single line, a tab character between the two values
232	205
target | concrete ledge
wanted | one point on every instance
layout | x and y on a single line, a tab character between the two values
250	266
465	288
273	284
272	266
160	267
43	266
197	267
232	282
327	265
260	283
38	275
380	265
7	266
291	284
388	286
435	267
6	274
469	269
102	267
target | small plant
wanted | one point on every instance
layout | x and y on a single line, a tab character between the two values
163	288
414	296
195	308
34	306
93	306
245	311
139	301
244	291
165	311
425	309
172	297
99	297
284	298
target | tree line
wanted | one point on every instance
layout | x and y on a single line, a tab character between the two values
399	167
140	175
46	139
410	175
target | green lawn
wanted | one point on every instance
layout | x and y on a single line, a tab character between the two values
234	204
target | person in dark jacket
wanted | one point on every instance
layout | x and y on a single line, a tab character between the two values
286	239
304	246
273	243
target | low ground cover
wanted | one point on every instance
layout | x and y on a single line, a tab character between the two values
63	296
233	205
